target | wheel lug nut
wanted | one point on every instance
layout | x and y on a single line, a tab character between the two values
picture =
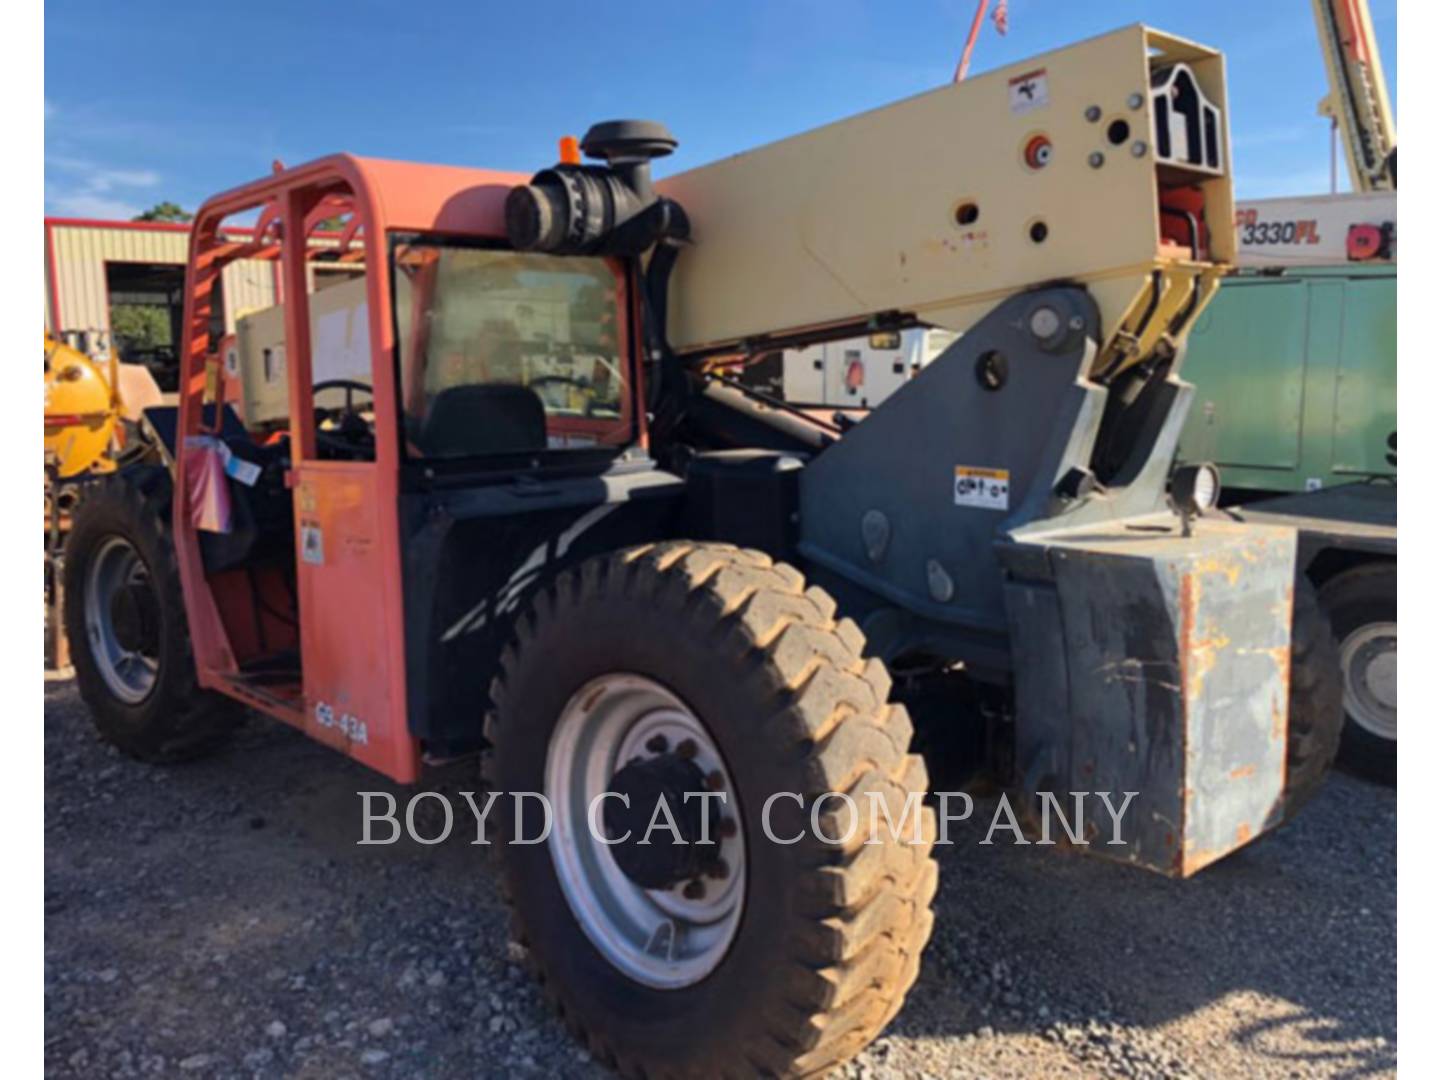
727	827
687	749
715	781
657	744
719	870
695	890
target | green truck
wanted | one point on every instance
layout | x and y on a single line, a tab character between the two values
1295	400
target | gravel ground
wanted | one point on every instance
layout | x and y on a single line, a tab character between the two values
218	919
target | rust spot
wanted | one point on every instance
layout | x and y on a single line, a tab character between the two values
1188	599
1195	860
1207	650
1218	564
1242	833
1280	705
1283	609
1198	655
1242	772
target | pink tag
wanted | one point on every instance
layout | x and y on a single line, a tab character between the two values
205	483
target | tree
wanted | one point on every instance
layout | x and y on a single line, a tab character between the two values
165	211
139	327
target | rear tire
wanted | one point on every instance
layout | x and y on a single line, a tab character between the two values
830	934
1316	714
1362	609
134	667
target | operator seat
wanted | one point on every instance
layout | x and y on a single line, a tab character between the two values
483	418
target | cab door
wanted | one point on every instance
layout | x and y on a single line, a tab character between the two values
344	487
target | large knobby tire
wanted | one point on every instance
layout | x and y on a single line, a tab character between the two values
1316	713
829	937
122	527
1361	605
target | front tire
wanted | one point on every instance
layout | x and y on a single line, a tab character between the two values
1362	609
125	619
828	935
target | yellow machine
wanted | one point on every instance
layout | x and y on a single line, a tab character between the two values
82	429
82	411
87	402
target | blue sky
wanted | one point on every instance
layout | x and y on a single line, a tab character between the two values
147	101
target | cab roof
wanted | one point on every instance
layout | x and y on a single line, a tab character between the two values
399	195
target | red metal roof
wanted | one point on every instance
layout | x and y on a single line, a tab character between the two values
138	226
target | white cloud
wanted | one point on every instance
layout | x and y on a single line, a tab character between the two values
102	179
105	179
85	189
87	204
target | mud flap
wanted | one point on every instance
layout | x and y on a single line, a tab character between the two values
1150	662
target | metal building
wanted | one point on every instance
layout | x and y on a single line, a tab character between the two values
88	261
94	269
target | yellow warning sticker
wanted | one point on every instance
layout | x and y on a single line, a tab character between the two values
984	489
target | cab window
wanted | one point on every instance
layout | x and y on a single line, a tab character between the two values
505	352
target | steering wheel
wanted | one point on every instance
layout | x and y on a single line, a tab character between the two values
350	386
351	437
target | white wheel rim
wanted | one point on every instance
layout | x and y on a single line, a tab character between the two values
656	937
1368	665
130	674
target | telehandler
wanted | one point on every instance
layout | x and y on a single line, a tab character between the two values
507	507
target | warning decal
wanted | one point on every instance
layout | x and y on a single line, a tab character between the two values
1029	91
312	543
984	489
